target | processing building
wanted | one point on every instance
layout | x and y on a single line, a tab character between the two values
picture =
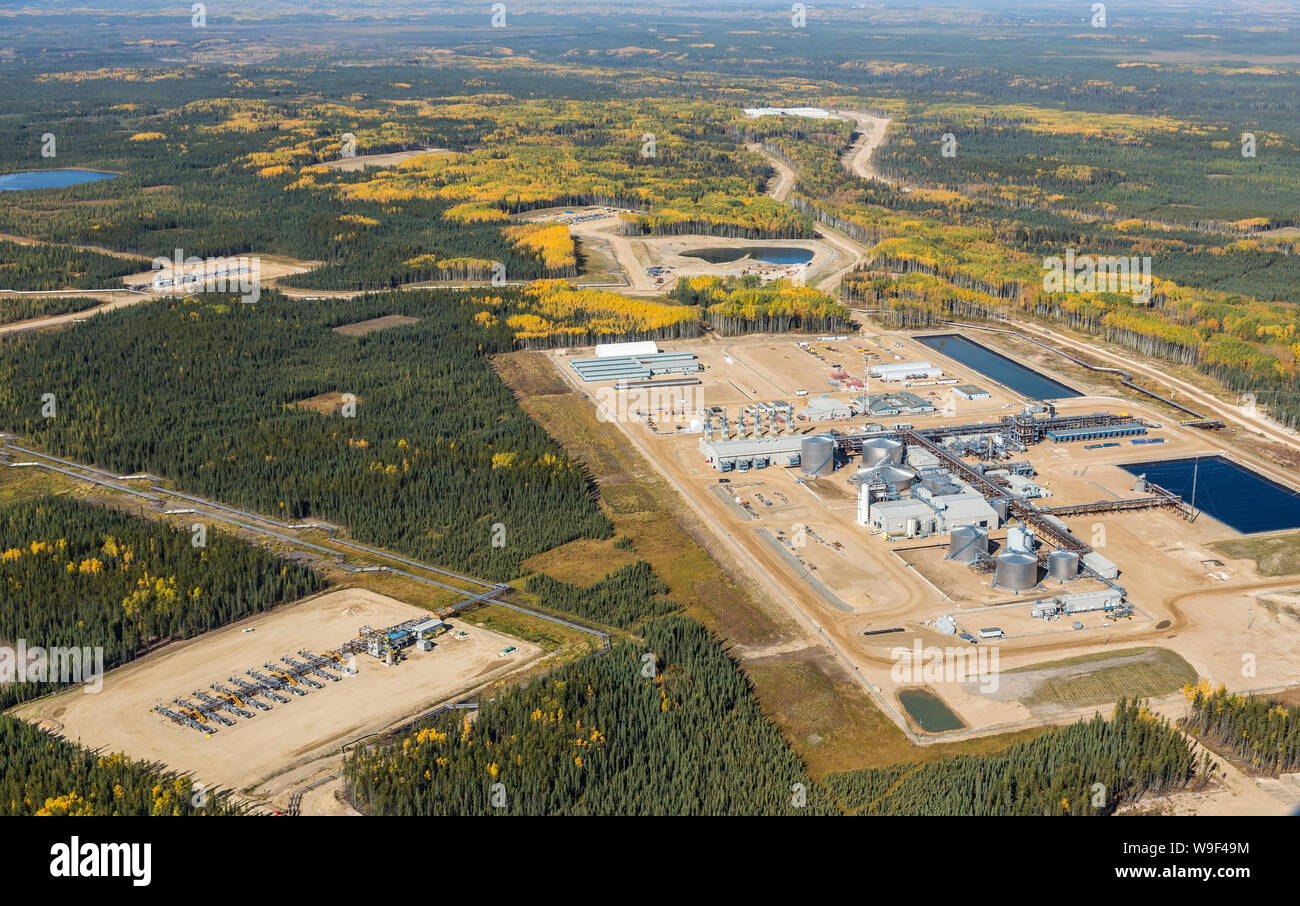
754	453
902	371
826	408
904	402
637	366
926	514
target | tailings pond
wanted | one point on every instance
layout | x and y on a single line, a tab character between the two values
995	366
1231	493
773	255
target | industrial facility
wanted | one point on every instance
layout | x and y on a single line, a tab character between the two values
296	676
904	371
637	366
915	483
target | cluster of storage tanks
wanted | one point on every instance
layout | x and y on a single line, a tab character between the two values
1017	570
817	457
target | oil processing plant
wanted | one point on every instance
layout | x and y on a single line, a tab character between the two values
918	483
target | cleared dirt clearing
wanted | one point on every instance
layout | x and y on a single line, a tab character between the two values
120	718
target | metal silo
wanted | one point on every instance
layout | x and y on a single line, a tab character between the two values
1020	538
881	451
1016	571
817	455
999	505
966	543
894	478
1063	566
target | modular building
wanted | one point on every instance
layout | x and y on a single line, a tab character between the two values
904	402
617	350
725	455
634	367
924	514
1102	433
901	371
1100	565
825	408
429	629
971	392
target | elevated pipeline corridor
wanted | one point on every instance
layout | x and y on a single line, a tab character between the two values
482	592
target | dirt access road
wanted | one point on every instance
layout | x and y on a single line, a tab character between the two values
857	160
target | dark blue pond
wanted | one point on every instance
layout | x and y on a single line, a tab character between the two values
1007	372
49	179
1234	495
774	255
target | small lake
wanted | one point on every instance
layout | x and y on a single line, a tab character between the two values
49	179
1236	496
994	365
929	711
773	255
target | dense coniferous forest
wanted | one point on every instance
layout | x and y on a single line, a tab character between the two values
668	727
1264	733
44	267
46	775
76	575
206	391
20	309
623	598
1091	767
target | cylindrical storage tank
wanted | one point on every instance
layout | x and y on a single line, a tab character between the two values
881	451
1016	571
1020	539
936	483
894	478
999	505
966	543
817	455
1063	566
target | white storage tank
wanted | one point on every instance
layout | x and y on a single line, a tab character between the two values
1016	571
817	455
1020	538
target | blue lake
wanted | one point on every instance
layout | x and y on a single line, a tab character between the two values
1234	495
994	365
773	255
49	179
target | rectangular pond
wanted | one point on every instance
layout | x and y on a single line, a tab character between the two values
995	366
928	710
1233	494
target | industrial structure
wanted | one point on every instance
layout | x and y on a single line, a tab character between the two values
630	367
297	675
902	402
916	482
904	371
